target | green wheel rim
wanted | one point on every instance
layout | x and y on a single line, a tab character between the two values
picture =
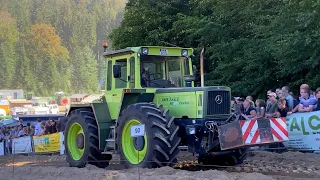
75	152
128	147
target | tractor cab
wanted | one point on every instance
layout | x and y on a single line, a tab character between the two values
150	67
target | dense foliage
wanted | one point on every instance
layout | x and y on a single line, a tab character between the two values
251	46
53	45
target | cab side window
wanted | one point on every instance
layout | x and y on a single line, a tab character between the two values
132	70
109	75
122	81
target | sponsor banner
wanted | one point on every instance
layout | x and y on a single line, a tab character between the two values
1	149
22	145
47	143
304	131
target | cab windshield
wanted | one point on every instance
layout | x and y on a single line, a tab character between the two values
163	71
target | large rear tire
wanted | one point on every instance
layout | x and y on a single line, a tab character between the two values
158	147
82	140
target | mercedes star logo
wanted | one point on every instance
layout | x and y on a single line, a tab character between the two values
218	99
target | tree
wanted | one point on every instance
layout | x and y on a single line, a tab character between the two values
84	70
251	46
23	76
49	58
38	37
8	39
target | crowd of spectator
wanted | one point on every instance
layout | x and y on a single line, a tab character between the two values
280	103
8	133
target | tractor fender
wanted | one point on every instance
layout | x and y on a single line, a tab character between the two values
102	118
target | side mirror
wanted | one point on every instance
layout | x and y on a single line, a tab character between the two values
116	71
189	78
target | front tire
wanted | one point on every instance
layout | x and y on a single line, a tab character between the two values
82	140
158	147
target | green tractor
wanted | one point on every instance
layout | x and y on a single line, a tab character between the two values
151	88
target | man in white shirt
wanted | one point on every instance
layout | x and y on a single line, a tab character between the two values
37	129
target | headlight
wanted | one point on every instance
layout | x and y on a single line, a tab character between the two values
144	50
184	52
190	130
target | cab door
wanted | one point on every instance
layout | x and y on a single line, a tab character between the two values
115	86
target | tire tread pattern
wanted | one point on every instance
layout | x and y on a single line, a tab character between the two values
164	132
94	155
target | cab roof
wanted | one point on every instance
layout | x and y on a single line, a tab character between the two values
130	50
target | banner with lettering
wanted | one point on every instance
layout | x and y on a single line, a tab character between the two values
22	145
47	143
304	131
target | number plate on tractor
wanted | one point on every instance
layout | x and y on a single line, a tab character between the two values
163	52
137	130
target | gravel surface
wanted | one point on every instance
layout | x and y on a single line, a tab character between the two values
259	165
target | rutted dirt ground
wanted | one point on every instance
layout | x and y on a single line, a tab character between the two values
259	165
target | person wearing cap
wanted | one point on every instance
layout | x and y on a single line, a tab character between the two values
271	110
268	102
237	99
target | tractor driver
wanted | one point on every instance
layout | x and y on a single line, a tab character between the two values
144	76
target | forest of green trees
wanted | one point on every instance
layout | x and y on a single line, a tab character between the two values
251	46
53	45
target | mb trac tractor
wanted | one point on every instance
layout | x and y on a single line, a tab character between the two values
152	87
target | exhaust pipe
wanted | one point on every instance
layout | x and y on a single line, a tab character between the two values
201	67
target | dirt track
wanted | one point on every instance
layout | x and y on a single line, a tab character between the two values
260	165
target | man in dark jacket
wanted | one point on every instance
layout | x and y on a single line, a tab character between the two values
61	125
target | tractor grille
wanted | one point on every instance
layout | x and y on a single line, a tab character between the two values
218	103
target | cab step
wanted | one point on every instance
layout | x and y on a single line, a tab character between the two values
110	142
183	148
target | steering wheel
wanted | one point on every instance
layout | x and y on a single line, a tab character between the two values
154	74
